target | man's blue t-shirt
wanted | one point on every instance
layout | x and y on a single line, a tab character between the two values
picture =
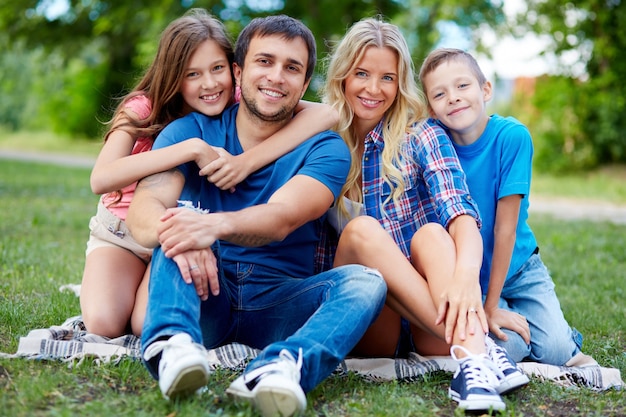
324	157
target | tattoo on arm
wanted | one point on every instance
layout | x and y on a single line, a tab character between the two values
156	180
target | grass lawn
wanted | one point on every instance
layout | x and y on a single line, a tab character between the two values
607	183
43	230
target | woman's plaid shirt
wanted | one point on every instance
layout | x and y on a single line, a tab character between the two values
435	187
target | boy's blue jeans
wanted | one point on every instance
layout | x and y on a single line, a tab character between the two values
325	314
530	292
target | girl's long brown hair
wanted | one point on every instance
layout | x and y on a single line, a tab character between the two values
161	82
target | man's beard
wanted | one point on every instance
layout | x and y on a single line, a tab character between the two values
251	104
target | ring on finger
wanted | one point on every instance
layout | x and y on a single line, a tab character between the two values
471	310
192	267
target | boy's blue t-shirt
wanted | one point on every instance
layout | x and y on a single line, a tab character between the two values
497	165
324	157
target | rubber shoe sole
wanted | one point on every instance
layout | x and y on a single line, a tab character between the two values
274	401
512	382
273	396
477	402
187	382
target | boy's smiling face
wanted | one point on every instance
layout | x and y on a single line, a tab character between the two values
456	98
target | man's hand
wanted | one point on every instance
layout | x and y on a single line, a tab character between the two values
200	268
181	229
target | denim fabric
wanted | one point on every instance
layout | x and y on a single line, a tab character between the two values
530	292
325	314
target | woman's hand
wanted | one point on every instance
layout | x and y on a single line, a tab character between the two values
461	311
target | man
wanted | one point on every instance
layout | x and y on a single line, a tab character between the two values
254	249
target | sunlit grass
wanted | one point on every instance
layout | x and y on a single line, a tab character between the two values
606	184
43	230
603	184
49	142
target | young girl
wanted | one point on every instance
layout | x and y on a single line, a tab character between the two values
412	216
190	73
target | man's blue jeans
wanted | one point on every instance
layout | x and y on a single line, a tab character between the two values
325	314
530	292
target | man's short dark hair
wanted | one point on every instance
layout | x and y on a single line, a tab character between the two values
281	25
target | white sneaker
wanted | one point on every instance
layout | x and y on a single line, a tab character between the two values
183	368
512	377
273	388
473	384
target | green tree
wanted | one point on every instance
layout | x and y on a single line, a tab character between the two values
103	35
421	21
100	47
594	100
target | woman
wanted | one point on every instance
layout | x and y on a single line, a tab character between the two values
415	220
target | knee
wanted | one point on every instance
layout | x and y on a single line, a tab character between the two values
431	234
552	350
361	231
376	284
103	325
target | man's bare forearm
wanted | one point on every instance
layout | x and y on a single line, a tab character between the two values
153	195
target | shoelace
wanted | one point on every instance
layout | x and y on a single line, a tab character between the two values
286	364
498	355
479	370
295	365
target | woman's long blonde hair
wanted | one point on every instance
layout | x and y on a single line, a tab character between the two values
408	107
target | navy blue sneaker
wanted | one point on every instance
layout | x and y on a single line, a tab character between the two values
473	384
512	377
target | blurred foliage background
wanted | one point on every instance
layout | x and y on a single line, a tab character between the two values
64	63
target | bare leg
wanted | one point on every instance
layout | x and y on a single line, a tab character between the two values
109	287
141	302
433	252
364	241
428	345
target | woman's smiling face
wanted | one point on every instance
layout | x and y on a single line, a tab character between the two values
371	86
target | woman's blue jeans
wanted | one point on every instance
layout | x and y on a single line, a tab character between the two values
325	314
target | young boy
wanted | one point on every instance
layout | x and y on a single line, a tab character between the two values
522	308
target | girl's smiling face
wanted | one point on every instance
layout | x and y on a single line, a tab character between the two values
207	85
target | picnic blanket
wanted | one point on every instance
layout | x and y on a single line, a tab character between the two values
71	342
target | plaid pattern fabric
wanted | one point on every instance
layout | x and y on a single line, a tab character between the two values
435	188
